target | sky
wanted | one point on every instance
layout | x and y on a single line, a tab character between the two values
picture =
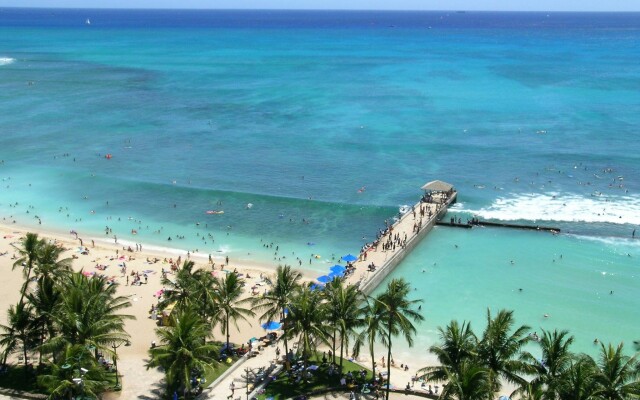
468	5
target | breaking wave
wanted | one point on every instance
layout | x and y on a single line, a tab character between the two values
563	207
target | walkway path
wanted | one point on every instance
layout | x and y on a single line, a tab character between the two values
403	236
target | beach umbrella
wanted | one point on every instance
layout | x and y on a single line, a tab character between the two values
324	279
336	274
271	325
315	286
349	258
338	268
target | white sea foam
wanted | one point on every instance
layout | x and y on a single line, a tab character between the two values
621	245
147	247
563	207
6	60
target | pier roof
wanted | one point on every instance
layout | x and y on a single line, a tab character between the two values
437	186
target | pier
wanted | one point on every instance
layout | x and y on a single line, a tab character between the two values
477	222
399	238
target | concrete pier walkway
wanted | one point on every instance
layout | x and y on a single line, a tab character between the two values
392	246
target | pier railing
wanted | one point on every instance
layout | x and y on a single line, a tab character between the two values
368	284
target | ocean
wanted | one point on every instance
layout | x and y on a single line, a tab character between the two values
310	128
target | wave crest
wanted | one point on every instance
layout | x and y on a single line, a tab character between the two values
6	60
565	208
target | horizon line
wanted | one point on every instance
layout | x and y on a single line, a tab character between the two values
457	11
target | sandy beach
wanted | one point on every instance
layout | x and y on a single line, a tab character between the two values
137	381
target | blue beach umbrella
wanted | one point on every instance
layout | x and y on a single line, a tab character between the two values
336	274
338	268
315	286
324	279
349	258
271	325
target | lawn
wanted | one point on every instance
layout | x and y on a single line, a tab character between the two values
284	388
16	378
211	374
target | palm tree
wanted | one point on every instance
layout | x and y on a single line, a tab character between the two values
48	264
229	303
457	344
180	291
45	300
88	314
307	321
78	364
470	382
500	350
203	293
617	375
532	391
344	302
20	333
578	381
556	359
331	294
373	330
397	313
275	303
30	246
183	349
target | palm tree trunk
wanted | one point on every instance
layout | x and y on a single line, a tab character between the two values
228	332
341	348
389	365
26	283
284	334
333	347
41	343
373	361
24	352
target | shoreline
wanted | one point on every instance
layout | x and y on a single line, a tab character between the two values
137	380
109	244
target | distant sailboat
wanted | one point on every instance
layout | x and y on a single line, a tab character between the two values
88	21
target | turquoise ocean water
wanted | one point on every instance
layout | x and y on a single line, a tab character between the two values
533	117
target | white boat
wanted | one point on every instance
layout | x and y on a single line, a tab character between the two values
88	21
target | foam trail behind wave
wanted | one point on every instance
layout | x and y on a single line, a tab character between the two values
562	207
6	60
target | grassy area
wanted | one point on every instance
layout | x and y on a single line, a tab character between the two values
16	378
284	388
210	375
